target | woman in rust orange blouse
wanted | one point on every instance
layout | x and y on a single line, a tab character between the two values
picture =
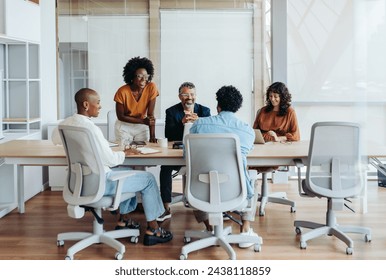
277	120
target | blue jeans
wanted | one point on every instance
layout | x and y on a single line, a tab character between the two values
143	182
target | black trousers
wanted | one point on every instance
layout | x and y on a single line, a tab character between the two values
166	179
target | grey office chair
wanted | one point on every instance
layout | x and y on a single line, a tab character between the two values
215	183
84	191
111	118
334	171
266	196
276	197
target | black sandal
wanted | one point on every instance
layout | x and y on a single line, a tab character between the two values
154	238
129	224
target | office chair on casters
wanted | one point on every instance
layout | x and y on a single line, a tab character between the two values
215	183
84	191
334	171
278	197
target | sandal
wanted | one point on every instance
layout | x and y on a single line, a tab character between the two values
129	224
154	238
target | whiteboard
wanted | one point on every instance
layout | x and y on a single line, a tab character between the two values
210	49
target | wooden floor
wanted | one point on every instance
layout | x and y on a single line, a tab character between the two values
32	236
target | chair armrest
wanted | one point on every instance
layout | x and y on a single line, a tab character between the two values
119	176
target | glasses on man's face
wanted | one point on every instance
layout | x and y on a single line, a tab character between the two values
185	95
142	76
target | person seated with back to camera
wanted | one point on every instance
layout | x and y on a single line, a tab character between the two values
186	111
229	101
277	120
88	106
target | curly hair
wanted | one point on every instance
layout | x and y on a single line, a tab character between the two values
135	63
229	98
285	98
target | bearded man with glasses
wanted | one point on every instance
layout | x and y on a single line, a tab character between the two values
186	111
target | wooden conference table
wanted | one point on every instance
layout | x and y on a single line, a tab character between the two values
43	153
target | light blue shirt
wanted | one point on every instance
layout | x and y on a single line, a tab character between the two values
226	122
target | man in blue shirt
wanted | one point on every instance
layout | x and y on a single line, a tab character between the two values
229	101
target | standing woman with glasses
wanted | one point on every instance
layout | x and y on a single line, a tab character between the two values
135	102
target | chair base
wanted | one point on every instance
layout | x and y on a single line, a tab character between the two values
279	197
332	228
219	237
97	236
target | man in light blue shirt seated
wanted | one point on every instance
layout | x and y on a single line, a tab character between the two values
229	101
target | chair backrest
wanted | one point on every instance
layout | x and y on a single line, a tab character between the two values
111	118
187	127
334	167
215	180
85	182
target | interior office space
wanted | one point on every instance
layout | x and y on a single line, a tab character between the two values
330	54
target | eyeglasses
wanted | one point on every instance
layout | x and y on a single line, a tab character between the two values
187	94
142	76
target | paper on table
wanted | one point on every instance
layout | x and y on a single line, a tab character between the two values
112	144
145	150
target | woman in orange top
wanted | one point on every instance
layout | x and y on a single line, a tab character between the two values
135	102
277	120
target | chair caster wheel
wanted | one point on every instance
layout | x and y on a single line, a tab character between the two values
118	256
183	257
68	258
257	248
134	239
60	243
349	251
368	237
187	239
293	209
298	230
303	245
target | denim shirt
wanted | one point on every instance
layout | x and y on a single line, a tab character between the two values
226	122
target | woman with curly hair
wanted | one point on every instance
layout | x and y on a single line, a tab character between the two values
135	102
277	120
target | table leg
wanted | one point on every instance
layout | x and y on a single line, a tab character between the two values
20	188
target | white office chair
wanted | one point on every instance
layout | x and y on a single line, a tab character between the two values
84	191
334	171
111	118
276	197
215	183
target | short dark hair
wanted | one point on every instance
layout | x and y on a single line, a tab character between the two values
186	84
82	95
229	98
285	98
135	63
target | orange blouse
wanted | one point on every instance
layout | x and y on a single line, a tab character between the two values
282	125
134	108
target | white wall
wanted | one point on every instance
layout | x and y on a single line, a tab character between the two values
21	20
210	49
